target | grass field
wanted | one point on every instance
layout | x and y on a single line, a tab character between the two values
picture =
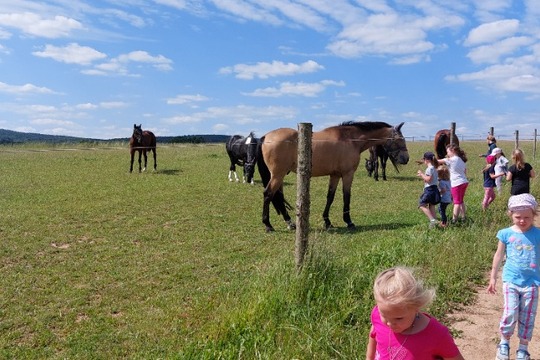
99	263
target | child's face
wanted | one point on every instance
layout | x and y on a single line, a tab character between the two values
523	219
449	151
396	317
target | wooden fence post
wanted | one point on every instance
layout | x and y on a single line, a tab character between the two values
303	176
516	145
491	131
452	132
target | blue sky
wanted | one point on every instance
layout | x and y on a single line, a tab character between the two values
183	67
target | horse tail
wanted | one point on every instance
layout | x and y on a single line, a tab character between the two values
278	200
264	172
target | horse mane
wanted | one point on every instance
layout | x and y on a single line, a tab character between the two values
366	125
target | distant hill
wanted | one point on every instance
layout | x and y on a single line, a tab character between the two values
15	137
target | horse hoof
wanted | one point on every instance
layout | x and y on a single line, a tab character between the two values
269	229
351	226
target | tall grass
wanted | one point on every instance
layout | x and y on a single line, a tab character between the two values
99	263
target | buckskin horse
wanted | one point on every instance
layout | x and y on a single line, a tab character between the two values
335	153
143	142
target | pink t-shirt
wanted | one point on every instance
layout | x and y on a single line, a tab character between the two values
434	342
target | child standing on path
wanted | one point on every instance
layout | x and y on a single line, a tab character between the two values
399	330
431	196
501	167
520	244
456	163
520	173
444	190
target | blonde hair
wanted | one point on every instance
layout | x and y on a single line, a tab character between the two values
518	158
398	286
443	173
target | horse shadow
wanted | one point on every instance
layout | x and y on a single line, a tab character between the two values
364	228
169	172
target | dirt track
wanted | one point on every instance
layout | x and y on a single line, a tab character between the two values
479	325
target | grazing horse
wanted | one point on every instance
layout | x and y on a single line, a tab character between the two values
335	153
143	142
442	139
242	151
376	153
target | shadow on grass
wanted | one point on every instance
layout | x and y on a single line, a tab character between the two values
169	172
363	228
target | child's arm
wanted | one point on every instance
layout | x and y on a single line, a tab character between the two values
426	178
371	347
497	258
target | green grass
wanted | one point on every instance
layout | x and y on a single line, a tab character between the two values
96	262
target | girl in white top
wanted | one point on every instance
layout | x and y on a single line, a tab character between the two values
456	162
501	164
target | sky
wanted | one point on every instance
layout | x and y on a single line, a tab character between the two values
183	67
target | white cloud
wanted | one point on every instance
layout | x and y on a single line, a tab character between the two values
295	89
71	54
264	70
491	32
240	114
185	99
492	53
24	89
34	24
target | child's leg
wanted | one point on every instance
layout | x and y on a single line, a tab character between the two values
485	200
510	310
426	210
527	313
433	211
442	212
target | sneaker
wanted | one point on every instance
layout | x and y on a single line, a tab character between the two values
503	352
523	355
433	223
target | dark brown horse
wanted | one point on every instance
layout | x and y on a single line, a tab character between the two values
143	142
442	139
378	155
335	153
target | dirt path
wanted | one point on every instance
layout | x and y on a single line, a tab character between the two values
479	327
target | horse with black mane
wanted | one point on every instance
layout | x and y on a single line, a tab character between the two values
377	154
441	141
335	153
143	142
242	151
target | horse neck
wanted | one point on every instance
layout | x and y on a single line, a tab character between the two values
373	137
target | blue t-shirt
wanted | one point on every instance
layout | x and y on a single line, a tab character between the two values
445	190
522	256
488	181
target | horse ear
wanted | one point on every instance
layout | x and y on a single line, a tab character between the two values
134	126
398	128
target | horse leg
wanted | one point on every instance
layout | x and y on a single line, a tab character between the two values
376	169
140	154
384	159
145	155
332	186
155	158
273	193
132	153
347	184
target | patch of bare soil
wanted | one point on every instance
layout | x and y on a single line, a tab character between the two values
479	327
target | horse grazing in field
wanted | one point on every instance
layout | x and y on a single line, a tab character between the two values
378	153
335	153
143	142
242	151
441	141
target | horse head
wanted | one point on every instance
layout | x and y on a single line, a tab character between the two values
252	144
369	167
396	147
137	132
